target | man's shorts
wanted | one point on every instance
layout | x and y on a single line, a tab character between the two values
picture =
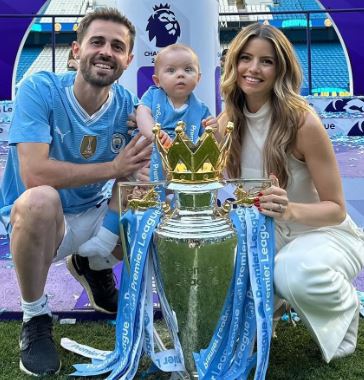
80	228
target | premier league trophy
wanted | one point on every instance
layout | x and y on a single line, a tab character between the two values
196	242
212	268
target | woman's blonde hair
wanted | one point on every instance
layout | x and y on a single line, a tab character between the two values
288	107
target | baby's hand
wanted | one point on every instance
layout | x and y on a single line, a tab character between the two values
165	140
210	122
131	123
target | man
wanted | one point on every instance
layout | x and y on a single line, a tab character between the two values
67	139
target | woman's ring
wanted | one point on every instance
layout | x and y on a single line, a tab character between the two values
280	207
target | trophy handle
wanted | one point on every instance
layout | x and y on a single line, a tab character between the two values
135	196
246	190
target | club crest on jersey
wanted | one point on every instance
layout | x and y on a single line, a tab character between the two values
88	146
118	142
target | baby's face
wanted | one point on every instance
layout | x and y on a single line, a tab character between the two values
178	74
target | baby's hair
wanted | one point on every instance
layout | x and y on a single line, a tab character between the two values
174	47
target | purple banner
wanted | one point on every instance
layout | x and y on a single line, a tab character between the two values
350	26
12	31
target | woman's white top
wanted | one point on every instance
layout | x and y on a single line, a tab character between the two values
300	185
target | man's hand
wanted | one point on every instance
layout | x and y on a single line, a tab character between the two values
133	157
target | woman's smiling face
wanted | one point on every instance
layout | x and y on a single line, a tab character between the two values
257	69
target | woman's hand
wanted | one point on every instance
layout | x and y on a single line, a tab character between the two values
273	201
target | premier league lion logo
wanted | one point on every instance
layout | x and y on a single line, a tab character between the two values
163	26
357	129
354	105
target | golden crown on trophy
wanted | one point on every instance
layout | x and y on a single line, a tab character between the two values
186	162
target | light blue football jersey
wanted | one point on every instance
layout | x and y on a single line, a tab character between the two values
163	112
46	111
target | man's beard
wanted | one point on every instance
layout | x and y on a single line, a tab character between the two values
86	69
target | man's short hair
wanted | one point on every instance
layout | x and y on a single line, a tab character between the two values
106	14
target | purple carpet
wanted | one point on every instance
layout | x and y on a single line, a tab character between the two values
67	297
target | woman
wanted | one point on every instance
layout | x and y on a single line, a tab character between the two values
319	248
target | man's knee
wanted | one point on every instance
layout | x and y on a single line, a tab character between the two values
38	204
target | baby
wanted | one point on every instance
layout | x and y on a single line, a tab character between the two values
171	99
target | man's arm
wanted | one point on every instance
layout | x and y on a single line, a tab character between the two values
36	168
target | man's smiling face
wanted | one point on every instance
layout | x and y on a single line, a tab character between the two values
103	52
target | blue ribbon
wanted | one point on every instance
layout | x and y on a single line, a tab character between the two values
167	360
248	309
130	305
